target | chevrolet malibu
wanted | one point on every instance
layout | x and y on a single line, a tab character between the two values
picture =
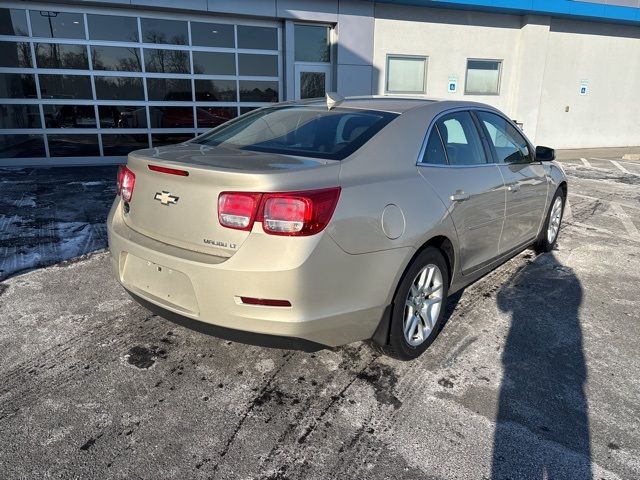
319	223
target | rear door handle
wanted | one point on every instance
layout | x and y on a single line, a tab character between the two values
459	196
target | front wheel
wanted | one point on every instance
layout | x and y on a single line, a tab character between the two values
549	233
418	306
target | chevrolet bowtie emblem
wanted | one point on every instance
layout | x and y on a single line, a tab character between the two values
166	198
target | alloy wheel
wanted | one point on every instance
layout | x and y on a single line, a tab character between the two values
423	304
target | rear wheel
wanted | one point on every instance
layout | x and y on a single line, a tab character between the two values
418	306
551	228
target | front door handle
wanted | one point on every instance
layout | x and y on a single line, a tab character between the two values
514	187
459	196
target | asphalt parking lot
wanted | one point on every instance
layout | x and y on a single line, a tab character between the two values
536	374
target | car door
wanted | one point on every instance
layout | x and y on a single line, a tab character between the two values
455	164
525	179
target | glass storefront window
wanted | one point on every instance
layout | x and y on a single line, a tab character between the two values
122	144
119	88
171	117
258	65
15	55
160	60
258	91
169	89
69	116
73	145
50	24
406	74
257	38
311	43
13	22
61	55
65	86
209	117
216	91
212	35
155	30
21	146
483	77
214	63
120	116
122	59
113	27
19	116
17	85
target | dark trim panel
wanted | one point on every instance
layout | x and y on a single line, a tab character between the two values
240	336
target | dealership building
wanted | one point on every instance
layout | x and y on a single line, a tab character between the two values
85	82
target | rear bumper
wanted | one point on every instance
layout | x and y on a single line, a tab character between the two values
336	298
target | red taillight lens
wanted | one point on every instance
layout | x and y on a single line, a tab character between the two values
238	209
170	171
126	183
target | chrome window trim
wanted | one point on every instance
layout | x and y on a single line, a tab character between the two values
470	108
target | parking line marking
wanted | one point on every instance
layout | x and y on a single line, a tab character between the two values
586	163
572	194
620	167
625	219
602	230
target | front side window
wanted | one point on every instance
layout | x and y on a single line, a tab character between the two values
406	74
461	139
306	131
509	145
483	77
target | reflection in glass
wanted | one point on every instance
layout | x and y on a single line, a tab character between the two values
178	89
311	43
73	145
258	91
166	61
244	110
17	85
160	139
19	116
21	146
56	24
60	55
15	55
112	27
216	91
123	143
122	59
120	116
155	30
214	63
209	117
258	38
119	88
13	22
171	117
65	86
312	84
69	116
212	35
258	65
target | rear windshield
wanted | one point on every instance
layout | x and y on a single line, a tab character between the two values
308	131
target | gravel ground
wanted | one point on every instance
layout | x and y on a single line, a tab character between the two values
535	375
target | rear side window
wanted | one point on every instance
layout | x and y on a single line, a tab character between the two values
509	145
461	139
434	153
308	131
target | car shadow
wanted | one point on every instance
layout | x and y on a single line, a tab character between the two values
542	424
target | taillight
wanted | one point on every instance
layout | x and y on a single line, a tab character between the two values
126	183
238	209
290	213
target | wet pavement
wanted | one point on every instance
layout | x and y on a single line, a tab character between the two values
534	375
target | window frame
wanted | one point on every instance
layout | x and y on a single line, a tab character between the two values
466	76
390	56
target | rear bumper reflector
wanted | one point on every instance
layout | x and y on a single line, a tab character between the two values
266	302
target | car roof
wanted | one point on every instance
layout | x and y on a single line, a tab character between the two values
393	104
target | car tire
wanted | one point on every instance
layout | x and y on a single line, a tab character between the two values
545	241
405	346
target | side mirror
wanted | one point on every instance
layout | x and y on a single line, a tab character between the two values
545	154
